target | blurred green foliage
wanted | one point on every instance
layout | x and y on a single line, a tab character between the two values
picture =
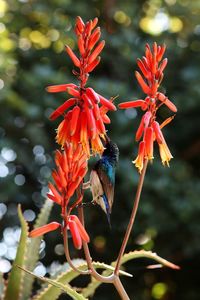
32	38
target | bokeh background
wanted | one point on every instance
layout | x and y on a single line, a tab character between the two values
32	39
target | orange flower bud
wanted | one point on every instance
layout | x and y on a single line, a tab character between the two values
147	117
80	24
100	125
77	153
167	102
62	177
131	104
107	103
143	68
92	95
87	101
91	122
94	22
148	55
88	28
96	52
161	52
106	119
54	191
74	119
44	229
62	108
59	88
95	36
155	49
140	130
142	83
82	231
158	132
96	112
83	133
149	143
81	45
73	92
163	65
64	162
92	65
76	237
73	57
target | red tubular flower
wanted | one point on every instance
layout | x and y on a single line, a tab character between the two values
44	229
140	158
76	237
71	166
77	230
84	122
151	66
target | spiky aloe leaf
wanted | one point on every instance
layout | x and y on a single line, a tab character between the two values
15	281
63	288
66	275
33	248
150	255
94	284
2	285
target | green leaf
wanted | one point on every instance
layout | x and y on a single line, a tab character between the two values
33	248
63	288
66	275
16	277
94	284
149	255
2	284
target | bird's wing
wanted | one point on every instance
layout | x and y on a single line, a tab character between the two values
97	190
107	177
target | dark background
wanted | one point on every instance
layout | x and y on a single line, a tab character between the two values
32	38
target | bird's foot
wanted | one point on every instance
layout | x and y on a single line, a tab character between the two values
86	185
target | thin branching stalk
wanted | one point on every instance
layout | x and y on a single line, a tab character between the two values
132	218
67	254
119	287
94	273
114	279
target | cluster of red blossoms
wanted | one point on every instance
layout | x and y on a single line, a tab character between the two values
85	113
80	133
71	167
151	66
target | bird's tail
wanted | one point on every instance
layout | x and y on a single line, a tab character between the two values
107	209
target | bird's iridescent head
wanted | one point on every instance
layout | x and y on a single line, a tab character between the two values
111	150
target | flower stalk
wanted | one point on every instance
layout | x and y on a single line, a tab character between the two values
132	217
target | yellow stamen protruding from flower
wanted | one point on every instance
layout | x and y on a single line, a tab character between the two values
97	146
167	121
165	153
139	161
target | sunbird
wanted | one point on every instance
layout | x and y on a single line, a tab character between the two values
102	177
